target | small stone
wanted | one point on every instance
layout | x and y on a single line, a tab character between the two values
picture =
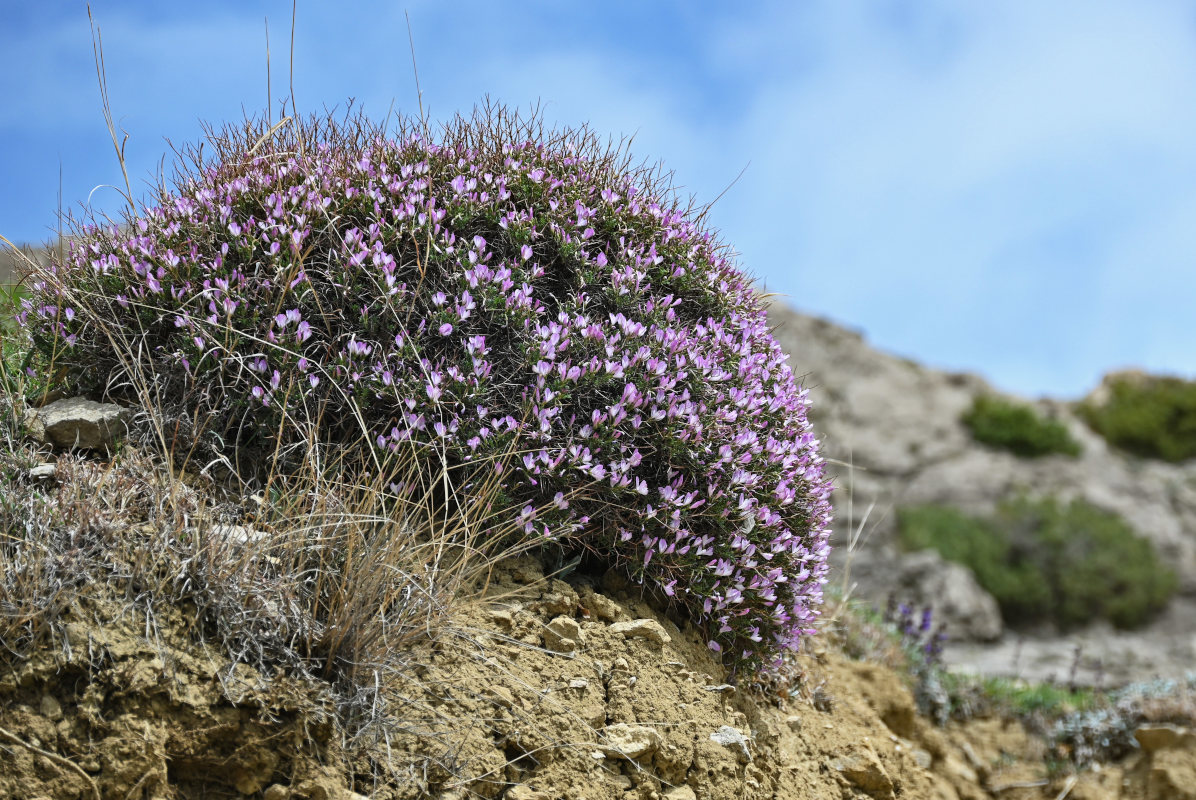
562	635
923	758
502	617
43	472
50	708
522	792
79	422
502	696
238	534
732	738
863	770
680	793
722	688
630	741
80	636
559	599
1160	737
578	683
794	723
953	767
648	629
604	608
1172	776
276	792
527	571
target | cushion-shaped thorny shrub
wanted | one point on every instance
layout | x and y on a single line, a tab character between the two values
496	295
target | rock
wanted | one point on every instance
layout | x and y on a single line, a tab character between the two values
955	770
733	739
562	635
630	741
648	629
1172	776
79	422
721	688
680	793
276	792
527	570
793	722
966	611
898	424
238	534
50	708
1163	737
501	695
326	785
522	792
863	770
43	472
559	599
602	606
502	617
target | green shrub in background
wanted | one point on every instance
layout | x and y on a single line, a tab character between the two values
1148	416
1017	428
978	544
1045	561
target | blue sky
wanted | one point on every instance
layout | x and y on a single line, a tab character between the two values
1005	188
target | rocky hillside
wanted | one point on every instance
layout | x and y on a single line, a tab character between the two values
897	424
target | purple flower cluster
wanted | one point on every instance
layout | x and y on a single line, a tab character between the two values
499	302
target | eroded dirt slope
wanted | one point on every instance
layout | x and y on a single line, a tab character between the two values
546	689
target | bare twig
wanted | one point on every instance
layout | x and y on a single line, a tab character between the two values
101	74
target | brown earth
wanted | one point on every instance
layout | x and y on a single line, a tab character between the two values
542	690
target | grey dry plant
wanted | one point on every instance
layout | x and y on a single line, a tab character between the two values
331	578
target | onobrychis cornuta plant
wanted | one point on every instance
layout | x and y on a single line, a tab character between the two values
498	297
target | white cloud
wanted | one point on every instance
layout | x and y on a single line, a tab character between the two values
907	189
1004	187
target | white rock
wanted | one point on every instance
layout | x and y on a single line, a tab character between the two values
43	472
732	738
680	793
630	741
648	629
562	635
238	534
960	604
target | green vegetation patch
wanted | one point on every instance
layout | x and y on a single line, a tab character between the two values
1148	416
13	341
1017	428
1045	561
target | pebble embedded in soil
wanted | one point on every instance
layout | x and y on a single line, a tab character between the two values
648	629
